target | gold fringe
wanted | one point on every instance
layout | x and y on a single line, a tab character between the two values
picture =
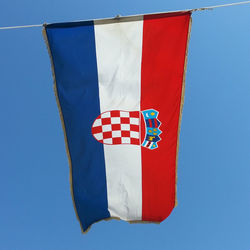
181	109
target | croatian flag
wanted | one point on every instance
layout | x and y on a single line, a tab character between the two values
119	84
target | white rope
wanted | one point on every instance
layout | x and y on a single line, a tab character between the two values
222	5
198	9
20	27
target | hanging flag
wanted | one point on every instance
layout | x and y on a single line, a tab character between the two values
119	84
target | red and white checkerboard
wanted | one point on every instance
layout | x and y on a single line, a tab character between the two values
117	127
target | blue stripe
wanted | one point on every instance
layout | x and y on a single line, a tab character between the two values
74	57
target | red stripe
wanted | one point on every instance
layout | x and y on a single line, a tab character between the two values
163	58
150	123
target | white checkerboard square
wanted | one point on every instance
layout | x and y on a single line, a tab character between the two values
134	121
125	127
99	136
106	115
115	120
97	123
125	140
134	134
106	128
124	114
116	134
108	141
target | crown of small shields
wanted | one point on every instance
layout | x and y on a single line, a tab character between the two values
128	127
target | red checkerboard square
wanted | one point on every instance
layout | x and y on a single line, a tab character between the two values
115	113
106	121
125	133
96	130
117	140
134	114
134	141
116	127
107	135
134	128
125	120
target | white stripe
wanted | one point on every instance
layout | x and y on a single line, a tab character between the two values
119	50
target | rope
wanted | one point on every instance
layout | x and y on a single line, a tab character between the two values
199	9
20	27
220	6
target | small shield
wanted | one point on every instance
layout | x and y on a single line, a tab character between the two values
125	127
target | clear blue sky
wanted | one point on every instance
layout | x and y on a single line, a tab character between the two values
36	210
